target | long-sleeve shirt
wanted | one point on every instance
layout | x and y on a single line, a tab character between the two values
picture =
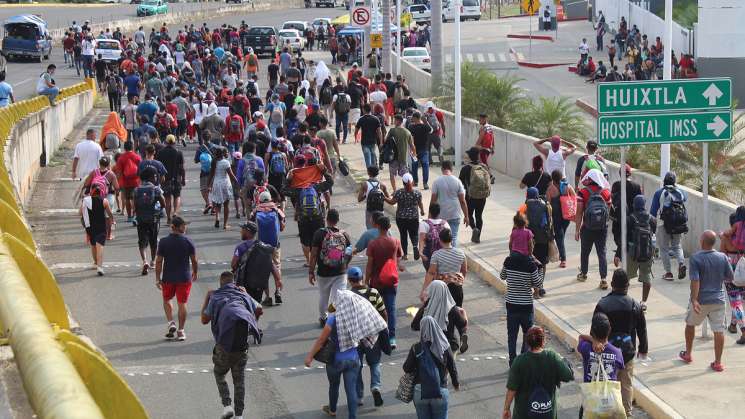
412	366
661	199
626	317
521	275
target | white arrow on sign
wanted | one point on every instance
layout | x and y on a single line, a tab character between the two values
712	93
718	126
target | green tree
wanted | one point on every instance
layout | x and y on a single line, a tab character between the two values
547	116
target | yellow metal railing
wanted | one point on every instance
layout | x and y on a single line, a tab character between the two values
62	375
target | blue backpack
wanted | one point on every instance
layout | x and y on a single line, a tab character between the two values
309	203
268	224
277	165
205	161
429	374
292	127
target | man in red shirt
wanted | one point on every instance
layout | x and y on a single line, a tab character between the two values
69	44
127	168
593	203
233	132
383	263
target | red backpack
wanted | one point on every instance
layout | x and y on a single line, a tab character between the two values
738	239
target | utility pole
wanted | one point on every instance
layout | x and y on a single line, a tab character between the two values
398	37
458	113
436	45
386	5
667	74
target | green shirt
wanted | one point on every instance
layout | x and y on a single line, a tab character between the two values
404	141
547	368
329	137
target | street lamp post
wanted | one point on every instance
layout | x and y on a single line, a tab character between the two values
456	58
398	37
667	73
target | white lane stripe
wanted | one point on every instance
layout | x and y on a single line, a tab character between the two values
53	211
520	56
502	57
469	57
492	58
480	57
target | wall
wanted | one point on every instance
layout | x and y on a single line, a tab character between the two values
419	82
647	22
720	31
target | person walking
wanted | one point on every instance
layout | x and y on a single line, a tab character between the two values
632	190
86	156
371	137
710	269
639	246
127	168
233	317
328	262
447	264
448	191
94	211
252	263
439	303
420	133
538	214
353	320
429	234
404	146
341	105
539	370
148	200
435	119
559	187
175	178
628	325
176	268
431	353
6	92
591	223
555	155
220	187
668	206
476	180
383	264
537	177
408	201
374	193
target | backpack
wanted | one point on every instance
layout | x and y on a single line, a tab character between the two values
343	104
538	221
144	201
327	96
642	248
292	127
431	119
235	124
276	117
595	217
239	107
255	266
251	88
429	374
310	154
257	192
163	122
252	61
277	164
478	183
100	180
332	249
432	241
112	84
388	275
205	161
375	197
309	203
268	223
130	170
738	240
540	403
674	215
249	169
388	153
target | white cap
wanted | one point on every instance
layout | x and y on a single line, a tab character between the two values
429	104
265	197
258	114
355	65
407	178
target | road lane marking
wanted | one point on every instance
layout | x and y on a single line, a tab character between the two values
469	57
480	57
492	58
502	57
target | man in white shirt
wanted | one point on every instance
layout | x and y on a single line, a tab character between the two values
87	51
448	191
46	85
87	154
584	50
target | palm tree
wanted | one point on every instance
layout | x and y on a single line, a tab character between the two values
549	116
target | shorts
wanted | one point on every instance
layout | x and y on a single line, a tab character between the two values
354	115
436	141
147	234
484	156
204	181
97	238
181	127
642	270
307	229
277	258
396	168
172	187
714	312
180	290
128	193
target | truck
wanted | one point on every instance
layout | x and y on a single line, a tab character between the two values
262	39
26	36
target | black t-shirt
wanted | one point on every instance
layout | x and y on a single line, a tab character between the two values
369	126
355	94
322	269
539	180
390	87
293	72
100	68
420	132
273	70
255	103
173	160
632	190
338	89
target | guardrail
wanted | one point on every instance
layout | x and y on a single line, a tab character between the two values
63	376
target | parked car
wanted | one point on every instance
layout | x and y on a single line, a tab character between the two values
326	3
152	8
293	37
109	49
26	36
298	25
418	57
470	9
263	39
420	13
321	21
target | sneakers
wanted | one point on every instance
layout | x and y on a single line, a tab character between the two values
463	343
99	271
668	276
685	357
180	335
377	397
476	236
171	333
322	321
327	410
426	187
682	271
227	412
603	284
643	306
267	302
581	277
277	297
145	268
392	341
741	341
563	264
732	328
416	253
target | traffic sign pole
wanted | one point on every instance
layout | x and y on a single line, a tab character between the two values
667	75
624	232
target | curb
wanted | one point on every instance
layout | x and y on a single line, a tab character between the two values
539	65
537	37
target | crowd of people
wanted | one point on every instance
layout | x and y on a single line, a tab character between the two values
275	155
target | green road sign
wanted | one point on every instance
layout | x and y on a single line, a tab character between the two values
657	128
664	96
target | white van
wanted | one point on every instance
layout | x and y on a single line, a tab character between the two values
471	9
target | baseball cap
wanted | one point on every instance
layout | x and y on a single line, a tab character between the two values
355	65
237	155
429	104
177	221
354	274
250	226
407	178
265	197
258	114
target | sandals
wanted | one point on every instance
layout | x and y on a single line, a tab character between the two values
685	357
603	284
717	366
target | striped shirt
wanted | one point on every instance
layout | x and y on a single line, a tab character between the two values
521	275
448	260
375	298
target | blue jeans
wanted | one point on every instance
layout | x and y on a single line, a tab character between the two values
517	319
423	159
454	224
50	92
372	355
431	408
389	299
349	369
370	155
88	65
342	121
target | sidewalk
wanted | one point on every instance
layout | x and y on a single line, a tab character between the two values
669	387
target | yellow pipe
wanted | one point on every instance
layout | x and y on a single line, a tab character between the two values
53	385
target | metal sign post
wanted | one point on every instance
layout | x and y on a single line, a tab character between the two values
705	193
624	231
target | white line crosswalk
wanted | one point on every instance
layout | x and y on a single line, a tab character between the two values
482	58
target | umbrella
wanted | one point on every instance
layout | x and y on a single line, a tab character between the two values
341	20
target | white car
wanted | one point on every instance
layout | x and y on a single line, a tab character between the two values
321	21
471	9
293	36
298	25
420	13
417	56
109	49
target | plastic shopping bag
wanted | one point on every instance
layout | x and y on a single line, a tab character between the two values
601	398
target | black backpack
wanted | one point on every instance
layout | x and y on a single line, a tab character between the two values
326	96
540	402
375	197
343	105
538	221
595	217
389	151
675	215
642	249
255	266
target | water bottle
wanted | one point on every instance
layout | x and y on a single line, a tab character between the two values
654	245
348	253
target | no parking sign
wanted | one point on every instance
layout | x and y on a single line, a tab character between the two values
360	16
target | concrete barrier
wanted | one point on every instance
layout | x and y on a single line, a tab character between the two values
419	81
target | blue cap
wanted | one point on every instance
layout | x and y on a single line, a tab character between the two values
354	274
